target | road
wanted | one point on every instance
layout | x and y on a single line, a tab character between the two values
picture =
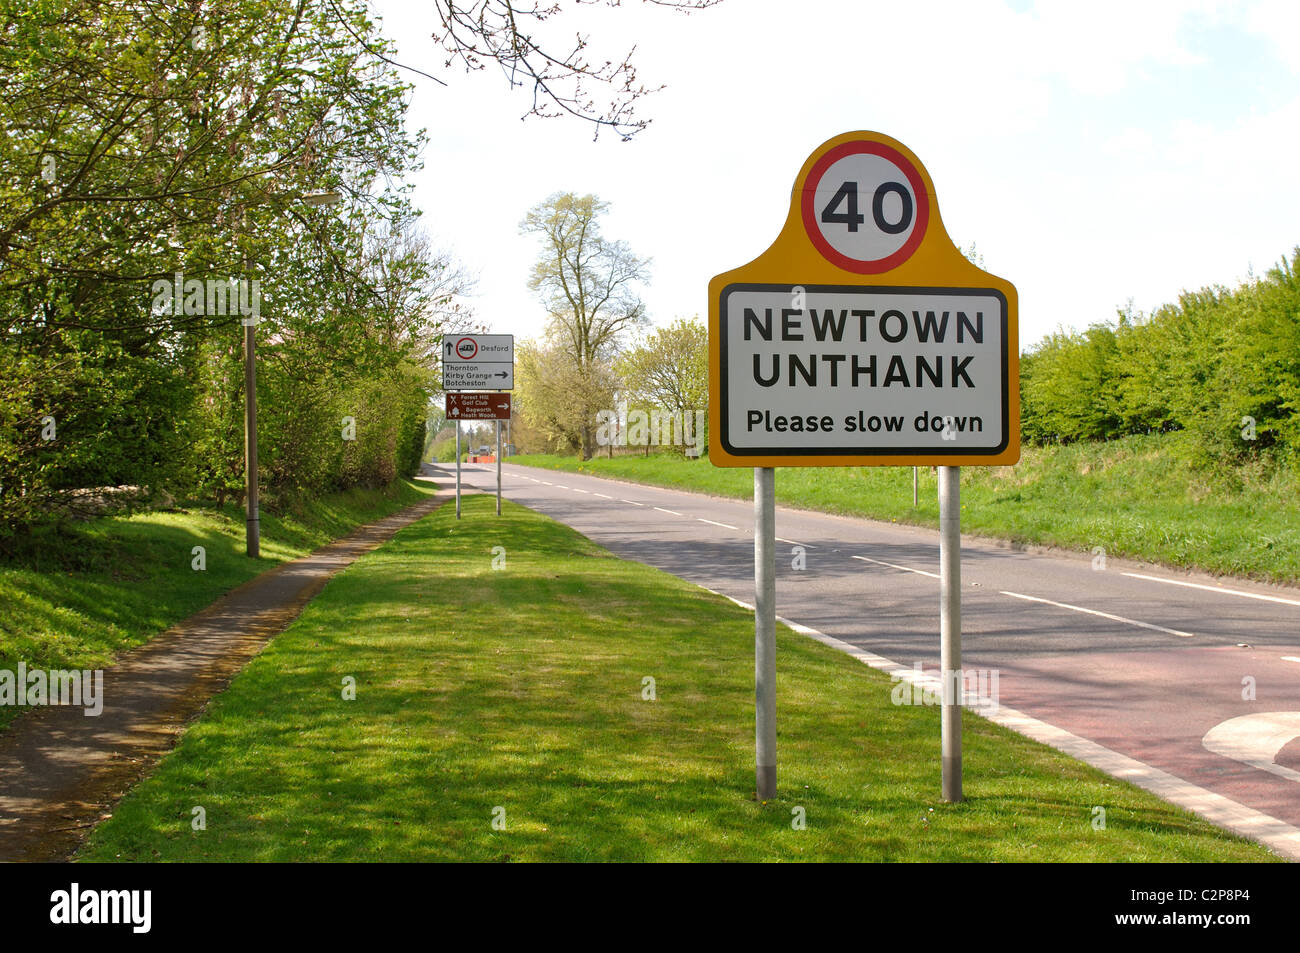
1143	660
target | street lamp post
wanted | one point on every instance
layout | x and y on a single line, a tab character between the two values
252	522
252	530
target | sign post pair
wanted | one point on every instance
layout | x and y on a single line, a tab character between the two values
472	362
862	337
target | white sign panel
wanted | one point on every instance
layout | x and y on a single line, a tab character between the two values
858	369
478	362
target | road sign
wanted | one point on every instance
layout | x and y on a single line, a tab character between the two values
478	362
863	336
478	406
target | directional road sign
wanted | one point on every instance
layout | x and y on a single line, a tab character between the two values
478	362
478	406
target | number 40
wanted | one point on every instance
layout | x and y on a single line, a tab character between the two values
847	196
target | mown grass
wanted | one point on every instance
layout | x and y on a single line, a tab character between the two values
97	588
1137	497
518	693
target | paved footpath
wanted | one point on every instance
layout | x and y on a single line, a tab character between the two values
61	772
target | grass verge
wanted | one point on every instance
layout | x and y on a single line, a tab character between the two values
518	694
113	583
1136	497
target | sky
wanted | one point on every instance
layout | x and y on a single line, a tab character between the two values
1098	154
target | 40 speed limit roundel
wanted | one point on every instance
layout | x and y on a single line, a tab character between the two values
865	206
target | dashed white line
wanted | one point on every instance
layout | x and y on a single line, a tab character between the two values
601	495
633	502
1230	592
662	510
712	522
1290	658
794	542
919	572
560	486
548	483
576	490
1104	615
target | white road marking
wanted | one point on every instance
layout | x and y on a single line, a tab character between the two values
1104	615
633	502
548	483
714	523
576	490
1256	739
1215	808
1290	658
662	510
793	542
919	572
1231	592
601	495
560	486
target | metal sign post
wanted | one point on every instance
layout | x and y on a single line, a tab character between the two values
458	469
765	632
498	423
950	628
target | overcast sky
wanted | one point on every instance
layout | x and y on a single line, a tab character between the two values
1095	152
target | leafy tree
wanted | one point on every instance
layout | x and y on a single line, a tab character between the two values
559	398
587	284
669	369
144	140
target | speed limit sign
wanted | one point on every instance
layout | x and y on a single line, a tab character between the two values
863	336
865	206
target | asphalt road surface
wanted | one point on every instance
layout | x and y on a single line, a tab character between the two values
1147	661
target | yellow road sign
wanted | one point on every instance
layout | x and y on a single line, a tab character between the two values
863	336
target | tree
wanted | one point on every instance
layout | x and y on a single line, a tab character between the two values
670	368
556	68
144	139
586	282
558	398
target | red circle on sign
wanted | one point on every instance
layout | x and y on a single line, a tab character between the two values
466	357
809	210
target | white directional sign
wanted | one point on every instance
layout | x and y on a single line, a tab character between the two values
478	362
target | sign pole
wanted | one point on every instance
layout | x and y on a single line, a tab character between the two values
950	627
498	423
914	497
457	469
765	631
